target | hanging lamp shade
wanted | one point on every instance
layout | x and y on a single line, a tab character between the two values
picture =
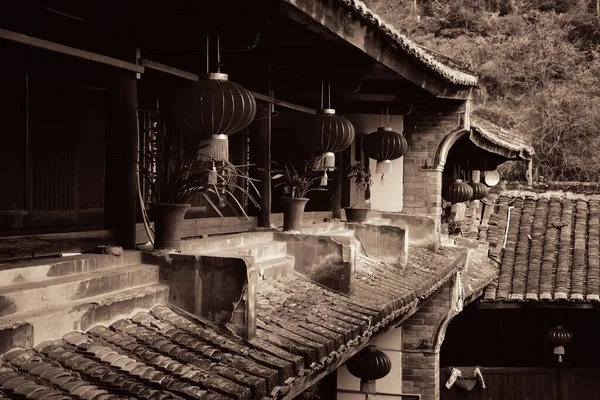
214	106
384	145
457	192
480	190
558	338
369	365
326	134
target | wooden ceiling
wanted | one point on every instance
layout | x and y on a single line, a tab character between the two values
261	48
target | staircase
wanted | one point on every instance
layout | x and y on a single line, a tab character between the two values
45	299
267	255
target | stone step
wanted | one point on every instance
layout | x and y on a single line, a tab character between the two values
53	292
21	272
323	228
379	221
216	243
259	251
276	267
33	327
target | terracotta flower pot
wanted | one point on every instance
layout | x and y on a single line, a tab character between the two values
356	214
168	219
293	211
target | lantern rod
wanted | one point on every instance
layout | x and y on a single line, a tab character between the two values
328	94
321	95
218	53
207	53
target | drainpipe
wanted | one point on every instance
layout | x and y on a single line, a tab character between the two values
507	226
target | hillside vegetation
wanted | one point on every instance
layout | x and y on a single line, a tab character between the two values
539	66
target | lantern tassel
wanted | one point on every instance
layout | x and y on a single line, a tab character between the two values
212	175
324	178
384	168
325	161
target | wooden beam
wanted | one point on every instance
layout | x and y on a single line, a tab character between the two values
369	97
286	104
515	305
199	227
402	396
19	247
70	51
169	70
194	77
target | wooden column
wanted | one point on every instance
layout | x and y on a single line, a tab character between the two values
563	383
336	188
260	156
121	142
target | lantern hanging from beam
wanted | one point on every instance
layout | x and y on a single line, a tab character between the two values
480	190
384	145
327	134
214	108
369	365
558	338
457	192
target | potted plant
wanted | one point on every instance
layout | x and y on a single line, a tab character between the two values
296	187
360	175
175	176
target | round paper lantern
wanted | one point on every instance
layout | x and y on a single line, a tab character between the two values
457	192
369	365
480	190
213	107
327	134
384	145
558	338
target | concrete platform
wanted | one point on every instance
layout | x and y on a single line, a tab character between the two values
30	328
217	243
51	292
258	251
15	273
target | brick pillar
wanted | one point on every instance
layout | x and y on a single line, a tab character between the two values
424	130
422	337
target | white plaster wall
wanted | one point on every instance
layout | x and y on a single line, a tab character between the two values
390	344
386	195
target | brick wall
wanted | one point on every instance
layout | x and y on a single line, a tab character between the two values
424	129
420	350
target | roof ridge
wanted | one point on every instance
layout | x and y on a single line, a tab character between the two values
560	194
452	73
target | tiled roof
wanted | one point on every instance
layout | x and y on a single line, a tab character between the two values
500	137
303	330
477	277
552	250
451	70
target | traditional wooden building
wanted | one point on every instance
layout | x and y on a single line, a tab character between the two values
545	245
244	311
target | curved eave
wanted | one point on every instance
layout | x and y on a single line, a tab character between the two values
497	140
353	22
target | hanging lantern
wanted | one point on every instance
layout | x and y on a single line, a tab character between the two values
457	192
384	145
214	108
480	190
327	134
558	338
369	365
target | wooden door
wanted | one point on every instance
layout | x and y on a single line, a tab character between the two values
506	384
526	384
584	383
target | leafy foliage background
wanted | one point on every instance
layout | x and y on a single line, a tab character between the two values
539	65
